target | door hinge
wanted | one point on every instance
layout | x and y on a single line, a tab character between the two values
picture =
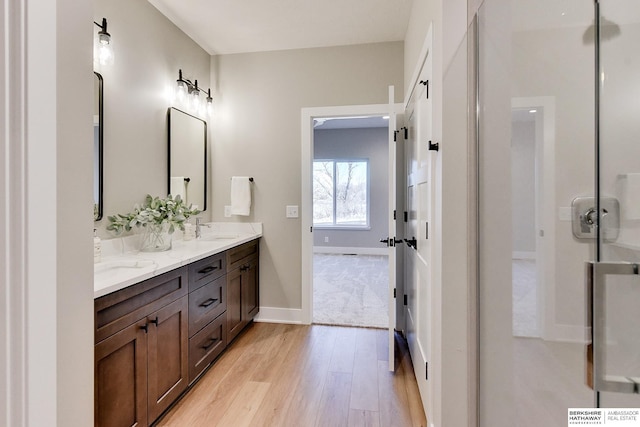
310	229
394	214
406	132
426	371
425	83
395	135
394	292
405	299
406	216
434	147
426	234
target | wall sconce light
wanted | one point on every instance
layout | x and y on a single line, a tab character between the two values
188	92
104	49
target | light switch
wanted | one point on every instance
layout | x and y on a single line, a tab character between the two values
227	211
292	211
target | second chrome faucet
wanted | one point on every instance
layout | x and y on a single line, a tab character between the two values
199	224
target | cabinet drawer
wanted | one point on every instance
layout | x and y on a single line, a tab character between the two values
208	269
207	303
206	345
236	256
116	311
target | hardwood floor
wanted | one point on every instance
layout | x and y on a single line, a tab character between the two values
293	375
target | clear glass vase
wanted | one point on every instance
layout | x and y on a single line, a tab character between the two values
156	238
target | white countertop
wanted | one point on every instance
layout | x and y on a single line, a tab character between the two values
123	266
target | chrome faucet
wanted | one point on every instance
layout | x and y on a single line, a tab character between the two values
198	225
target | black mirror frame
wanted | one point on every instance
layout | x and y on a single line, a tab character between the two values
99	214
204	208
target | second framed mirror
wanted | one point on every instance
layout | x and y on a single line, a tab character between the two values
187	175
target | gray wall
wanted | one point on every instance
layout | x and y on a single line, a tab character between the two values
148	51
371	144
523	186
257	133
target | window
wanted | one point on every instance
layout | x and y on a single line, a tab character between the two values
341	193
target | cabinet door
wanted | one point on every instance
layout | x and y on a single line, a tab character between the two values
168	362
121	378
250	290
234	304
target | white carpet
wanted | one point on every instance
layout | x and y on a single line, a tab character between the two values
351	290
525	301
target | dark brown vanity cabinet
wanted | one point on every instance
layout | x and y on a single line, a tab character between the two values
242	287
156	337
142	367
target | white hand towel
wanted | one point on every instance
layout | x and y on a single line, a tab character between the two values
240	195
178	187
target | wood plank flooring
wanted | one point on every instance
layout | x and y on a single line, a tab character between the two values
293	375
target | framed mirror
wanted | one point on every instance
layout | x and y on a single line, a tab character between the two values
98	132
187	158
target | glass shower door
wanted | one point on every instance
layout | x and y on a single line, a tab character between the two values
536	126
617	282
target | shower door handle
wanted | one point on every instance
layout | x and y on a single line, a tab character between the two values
597	378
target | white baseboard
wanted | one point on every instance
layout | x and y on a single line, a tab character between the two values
523	255
279	315
349	250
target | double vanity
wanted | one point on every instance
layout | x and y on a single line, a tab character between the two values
162	318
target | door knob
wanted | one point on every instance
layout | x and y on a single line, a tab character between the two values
385	241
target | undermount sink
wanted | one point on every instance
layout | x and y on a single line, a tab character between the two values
218	236
112	266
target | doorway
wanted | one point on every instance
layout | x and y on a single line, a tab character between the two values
524	199
533	221
308	117
350	214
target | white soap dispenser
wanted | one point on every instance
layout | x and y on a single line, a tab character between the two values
97	247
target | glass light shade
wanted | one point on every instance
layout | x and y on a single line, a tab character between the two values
210	108
195	100
181	91
105	53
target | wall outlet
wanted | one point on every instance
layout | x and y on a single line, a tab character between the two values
292	211
326	239
227	211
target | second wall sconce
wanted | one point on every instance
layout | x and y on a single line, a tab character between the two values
104	49
188	92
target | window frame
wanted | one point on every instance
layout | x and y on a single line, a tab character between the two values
334	225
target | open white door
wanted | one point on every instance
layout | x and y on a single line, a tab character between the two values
391	239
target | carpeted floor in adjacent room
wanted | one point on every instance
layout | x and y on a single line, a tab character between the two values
351	290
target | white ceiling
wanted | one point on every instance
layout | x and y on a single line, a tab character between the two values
237	26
